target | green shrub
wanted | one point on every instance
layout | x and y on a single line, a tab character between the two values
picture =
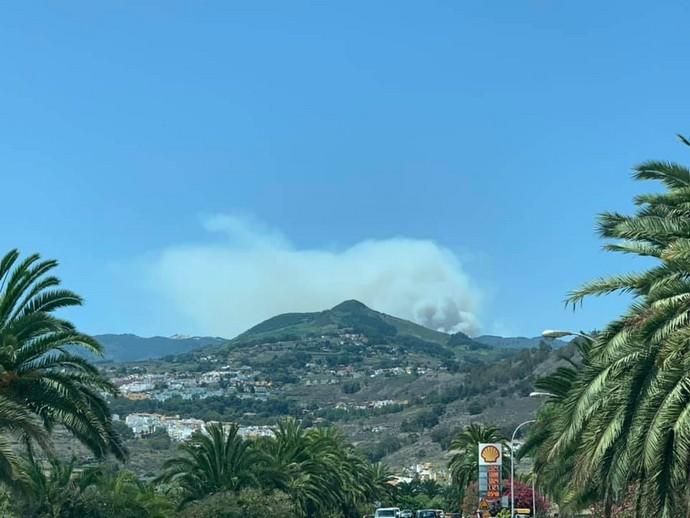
241	505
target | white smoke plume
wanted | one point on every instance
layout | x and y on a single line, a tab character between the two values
253	273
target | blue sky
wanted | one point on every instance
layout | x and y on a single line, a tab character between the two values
494	130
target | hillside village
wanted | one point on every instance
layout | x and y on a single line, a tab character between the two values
395	395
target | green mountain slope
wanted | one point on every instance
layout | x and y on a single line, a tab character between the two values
349	315
398	390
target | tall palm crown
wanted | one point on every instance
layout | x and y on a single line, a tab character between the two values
321	472
217	460
464	463
554	477
380	477
314	467
41	380
627	415
59	489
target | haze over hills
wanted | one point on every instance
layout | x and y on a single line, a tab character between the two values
129	347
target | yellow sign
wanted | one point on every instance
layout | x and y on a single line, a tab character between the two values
523	510
490	454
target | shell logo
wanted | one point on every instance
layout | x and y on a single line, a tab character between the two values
490	454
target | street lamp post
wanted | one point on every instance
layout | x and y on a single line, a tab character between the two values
548	333
538	394
512	466
534	497
534	475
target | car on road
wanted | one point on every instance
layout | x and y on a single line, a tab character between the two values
387	512
406	513
431	513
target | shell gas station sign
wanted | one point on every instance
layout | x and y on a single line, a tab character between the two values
490	454
490	462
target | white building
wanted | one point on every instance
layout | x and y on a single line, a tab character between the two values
253	432
182	429
137	386
143	424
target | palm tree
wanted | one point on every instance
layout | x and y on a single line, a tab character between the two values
320	471
431	488
627	415
356	481
56	488
464	463
49	489
43	382
118	492
17	424
214	461
309	463
554	477
379	477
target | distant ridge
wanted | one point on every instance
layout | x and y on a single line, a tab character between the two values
129	347
348	315
517	342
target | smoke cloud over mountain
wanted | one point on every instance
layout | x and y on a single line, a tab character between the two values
252	273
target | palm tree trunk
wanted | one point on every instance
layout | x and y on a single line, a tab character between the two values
608	506
638	502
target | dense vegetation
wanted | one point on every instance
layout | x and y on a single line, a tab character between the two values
615	431
318	471
42	384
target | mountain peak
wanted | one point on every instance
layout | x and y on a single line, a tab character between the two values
351	306
350	315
